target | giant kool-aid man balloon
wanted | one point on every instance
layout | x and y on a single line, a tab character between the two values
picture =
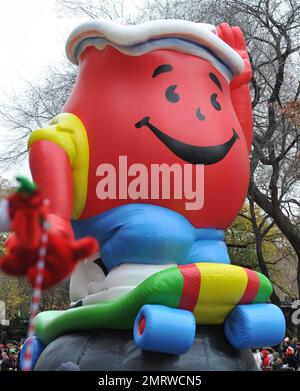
150	155
156	105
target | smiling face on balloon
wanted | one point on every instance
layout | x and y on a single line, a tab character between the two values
163	112
194	154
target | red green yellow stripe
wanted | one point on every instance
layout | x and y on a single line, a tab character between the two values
264	291
191	286
251	288
221	289
211	291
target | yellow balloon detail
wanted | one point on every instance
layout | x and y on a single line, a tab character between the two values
221	288
68	132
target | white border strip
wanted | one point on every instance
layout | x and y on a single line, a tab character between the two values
128	36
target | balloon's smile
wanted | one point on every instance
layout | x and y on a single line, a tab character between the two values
191	153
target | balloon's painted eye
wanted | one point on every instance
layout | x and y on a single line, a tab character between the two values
171	95
199	115
214	102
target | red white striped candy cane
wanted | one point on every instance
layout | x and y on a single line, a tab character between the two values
36	296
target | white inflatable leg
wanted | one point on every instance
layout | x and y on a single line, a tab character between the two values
81	277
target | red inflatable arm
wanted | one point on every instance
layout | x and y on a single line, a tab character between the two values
240	91
51	172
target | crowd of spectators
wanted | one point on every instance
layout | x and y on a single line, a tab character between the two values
10	356
285	356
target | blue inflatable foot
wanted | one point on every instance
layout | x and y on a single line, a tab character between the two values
37	348
163	329
255	325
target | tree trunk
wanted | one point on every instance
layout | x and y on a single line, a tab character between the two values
284	224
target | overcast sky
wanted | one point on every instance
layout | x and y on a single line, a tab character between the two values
31	36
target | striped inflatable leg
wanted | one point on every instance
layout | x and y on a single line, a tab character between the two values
36	296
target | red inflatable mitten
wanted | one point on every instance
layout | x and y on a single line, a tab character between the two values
27	213
234	37
239	86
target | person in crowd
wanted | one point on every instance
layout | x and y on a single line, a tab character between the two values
294	344
265	358
15	361
14	356
290	357
271	351
277	362
284	345
9	345
6	364
257	358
